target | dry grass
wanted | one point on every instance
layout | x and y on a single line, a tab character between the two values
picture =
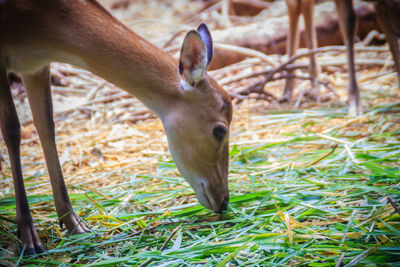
308	185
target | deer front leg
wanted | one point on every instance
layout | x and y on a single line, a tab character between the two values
384	15
347	22
10	129
307	9
293	7
38	90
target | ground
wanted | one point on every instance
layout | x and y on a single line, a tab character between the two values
309	185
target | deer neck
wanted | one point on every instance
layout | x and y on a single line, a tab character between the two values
113	52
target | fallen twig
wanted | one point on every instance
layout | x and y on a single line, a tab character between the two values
323	157
393	205
246	51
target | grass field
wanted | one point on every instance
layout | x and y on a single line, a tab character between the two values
314	188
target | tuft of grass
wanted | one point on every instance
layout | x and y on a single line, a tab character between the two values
313	188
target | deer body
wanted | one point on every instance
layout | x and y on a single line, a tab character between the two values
195	111
387	14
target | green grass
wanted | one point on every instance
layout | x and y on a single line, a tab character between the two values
318	197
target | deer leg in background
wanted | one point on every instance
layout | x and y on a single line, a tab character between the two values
11	131
347	22
38	90
293	7
307	9
384	16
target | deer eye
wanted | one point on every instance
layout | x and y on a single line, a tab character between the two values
219	132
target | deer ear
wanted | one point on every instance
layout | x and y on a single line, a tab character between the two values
206	37
193	59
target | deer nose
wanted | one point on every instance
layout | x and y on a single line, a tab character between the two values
224	205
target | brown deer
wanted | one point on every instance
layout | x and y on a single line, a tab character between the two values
388	16
195	111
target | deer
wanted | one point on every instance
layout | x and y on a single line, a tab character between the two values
387	14
195	111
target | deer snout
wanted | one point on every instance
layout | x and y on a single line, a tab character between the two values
214	197
224	205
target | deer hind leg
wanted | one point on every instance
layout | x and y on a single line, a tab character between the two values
307	9
38	90
347	22
384	16
10	129
293	7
